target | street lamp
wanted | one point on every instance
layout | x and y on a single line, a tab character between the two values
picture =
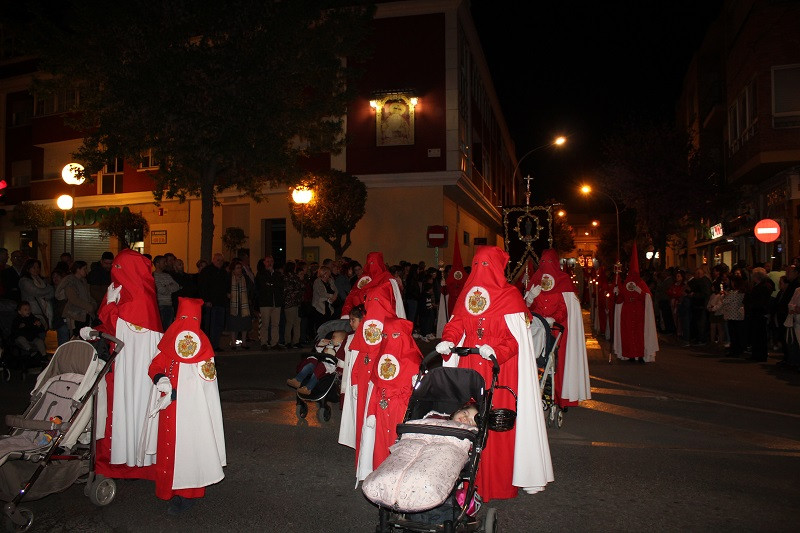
558	141
561	213
64	202
302	195
586	189
72	174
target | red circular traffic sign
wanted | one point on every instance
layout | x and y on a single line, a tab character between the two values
436	235
767	230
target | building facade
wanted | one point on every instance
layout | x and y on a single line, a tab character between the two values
741	101
426	135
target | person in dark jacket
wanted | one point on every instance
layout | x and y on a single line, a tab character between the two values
269	294
756	311
699	293
214	284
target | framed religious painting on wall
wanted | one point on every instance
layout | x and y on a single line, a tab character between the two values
394	119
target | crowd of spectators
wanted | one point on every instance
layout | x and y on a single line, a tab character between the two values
748	311
274	306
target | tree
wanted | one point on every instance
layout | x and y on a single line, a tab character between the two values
126	226
35	216
233	239
563	236
225	94
653	169
339	202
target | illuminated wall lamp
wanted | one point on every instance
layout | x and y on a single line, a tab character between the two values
373	104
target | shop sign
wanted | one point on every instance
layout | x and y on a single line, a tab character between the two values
87	217
716	231
158	236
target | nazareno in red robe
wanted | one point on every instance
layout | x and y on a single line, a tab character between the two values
551	303
479	317
392	380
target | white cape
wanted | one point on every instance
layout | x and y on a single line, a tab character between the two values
199	435
575	386
347	427
131	392
533	468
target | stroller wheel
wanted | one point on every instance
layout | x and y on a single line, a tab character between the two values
490	521
301	410
102	491
324	413
6	374
20	514
560	418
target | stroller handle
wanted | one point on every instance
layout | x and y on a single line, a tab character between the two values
460	351
118	344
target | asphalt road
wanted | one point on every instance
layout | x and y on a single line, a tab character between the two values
692	442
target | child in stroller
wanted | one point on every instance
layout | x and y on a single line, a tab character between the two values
315	366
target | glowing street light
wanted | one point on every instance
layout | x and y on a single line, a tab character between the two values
558	141
561	213
302	195
72	174
586	190
595	223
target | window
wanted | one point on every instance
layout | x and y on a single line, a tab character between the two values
742	117
148	161
111	180
51	104
786	96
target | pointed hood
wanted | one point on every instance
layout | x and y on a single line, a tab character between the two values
486	291
136	303
549	274
455	279
374	274
633	271
379	307
184	341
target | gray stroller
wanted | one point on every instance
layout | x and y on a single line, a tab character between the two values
52	445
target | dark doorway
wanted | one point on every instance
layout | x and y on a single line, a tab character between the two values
273	233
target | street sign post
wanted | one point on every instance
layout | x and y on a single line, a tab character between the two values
767	230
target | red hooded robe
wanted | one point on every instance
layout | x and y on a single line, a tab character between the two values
479	318
136	305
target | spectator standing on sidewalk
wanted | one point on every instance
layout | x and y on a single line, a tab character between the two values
292	297
165	286
269	294
99	277
756	308
700	292
213	282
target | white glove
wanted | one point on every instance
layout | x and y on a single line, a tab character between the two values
112	294
445	347
487	352
354	391
616	291
637	289
531	295
88	333
370	422
550	321
162	403
164	385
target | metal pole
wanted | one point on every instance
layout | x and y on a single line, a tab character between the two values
302	234
72	244
65	231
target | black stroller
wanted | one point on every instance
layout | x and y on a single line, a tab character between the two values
547	363
327	389
44	454
446	390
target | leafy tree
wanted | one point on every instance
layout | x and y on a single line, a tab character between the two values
233	239
126	226
654	170
34	216
339	202
563	236
226	94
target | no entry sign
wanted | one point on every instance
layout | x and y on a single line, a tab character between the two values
436	235
767	230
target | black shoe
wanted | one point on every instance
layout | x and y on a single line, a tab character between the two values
264	347
178	505
297	346
280	346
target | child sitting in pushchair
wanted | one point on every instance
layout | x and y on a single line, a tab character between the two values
314	367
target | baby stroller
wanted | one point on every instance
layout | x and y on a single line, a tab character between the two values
444	390
327	388
547	362
52	445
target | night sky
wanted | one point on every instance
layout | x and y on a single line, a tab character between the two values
575	67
